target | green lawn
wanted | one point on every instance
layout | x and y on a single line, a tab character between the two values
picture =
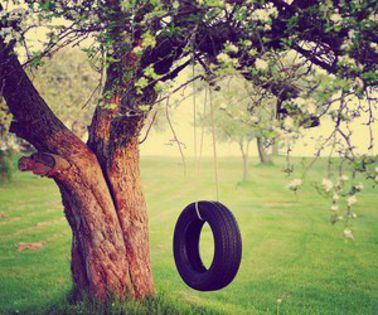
290	251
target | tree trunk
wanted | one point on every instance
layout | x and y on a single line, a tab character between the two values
262	152
124	267
125	183
117	148
275	147
245	167
245	156
110	250
100	188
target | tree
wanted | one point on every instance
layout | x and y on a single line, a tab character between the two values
233	124
239	119
138	46
6	145
71	86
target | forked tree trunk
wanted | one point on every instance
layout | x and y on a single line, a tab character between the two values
110	248
110	252
123	269
100	187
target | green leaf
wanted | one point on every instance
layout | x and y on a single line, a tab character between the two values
148	40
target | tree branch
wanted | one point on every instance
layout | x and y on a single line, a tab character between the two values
43	164
33	120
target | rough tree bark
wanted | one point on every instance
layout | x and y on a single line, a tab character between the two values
100	188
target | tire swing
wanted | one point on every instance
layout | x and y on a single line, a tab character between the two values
227	240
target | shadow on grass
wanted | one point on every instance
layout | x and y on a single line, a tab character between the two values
245	184
269	163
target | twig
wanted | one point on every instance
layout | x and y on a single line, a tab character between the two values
175	138
149	128
178	89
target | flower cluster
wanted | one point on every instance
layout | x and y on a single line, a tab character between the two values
336	191
348	234
351	200
295	184
359	187
327	185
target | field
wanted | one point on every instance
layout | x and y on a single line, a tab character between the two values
294	260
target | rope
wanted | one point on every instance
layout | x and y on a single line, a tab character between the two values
195	120
214	145
202	130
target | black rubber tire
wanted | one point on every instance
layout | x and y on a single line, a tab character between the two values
227	246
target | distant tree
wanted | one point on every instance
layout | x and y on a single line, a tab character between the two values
6	144
5	120
238	121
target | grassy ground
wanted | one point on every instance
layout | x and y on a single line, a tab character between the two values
291	254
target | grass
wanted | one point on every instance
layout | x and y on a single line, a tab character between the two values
294	261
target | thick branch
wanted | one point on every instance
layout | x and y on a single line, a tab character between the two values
33	121
43	164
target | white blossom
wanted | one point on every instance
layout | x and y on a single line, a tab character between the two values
261	64
374	46
267	27
335	197
335	17
327	184
347	60
344	178
348	234
295	184
311	108
359	186
351	200
5	31
273	11
252	52
347	44
335	207
223	57
288	123
233	48
260	14
300	101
